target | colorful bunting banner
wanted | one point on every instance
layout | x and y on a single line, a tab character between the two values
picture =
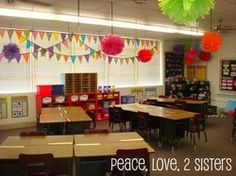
49	35
2	32
41	34
76	37
55	35
26	57
87	57
73	58
10	32
58	57
1	57
109	59
34	34
65	58
26	33
82	38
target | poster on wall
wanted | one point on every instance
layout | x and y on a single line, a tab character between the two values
228	75
19	106
138	93
150	92
3	107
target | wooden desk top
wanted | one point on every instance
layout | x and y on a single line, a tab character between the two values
108	149
107	138
163	112
12	152
39	140
63	114
172	100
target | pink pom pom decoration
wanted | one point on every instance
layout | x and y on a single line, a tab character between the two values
112	44
191	53
144	55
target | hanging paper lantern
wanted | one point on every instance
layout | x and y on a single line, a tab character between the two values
204	56
185	11
198	46
191	53
11	51
112	44
178	49
211	41
144	55
188	61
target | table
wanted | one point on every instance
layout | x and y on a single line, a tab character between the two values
173	122
97	149
70	120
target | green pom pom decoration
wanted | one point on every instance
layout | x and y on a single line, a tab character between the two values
186	11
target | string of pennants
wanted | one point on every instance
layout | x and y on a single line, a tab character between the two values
65	39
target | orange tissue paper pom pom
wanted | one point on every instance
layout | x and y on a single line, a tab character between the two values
211	41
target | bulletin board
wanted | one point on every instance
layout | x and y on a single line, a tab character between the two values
3	107
197	72
19	106
228	75
138	93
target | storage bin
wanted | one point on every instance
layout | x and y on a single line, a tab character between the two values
44	90
126	99
57	89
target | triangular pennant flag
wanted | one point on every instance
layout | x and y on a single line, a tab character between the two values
76	37
55	35
89	37
86	47
82	38
127	41
73	58
80	59
58	46
80	43
127	60
95	39
2	32
1	57
86	57
147	42
116	60
137	42
70	36
110	59
100	38
41	34
50	54
26	57
156	47
22	39
104	57
137	58
132	41
50	49
58	56
132	58
43	52
49	35
34	34
94	55
18	58
142	42
28	44
121	60
65	58
152	50
151	42
18	33
65	42
35	54
36	47
9	32
26	33
91	51
63	36
98	54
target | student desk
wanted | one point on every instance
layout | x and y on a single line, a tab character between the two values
60	146
173	122
72	120
97	149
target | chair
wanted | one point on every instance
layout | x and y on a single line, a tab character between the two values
234	125
180	104
151	102
32	133
141	153
95	131
197	125
116	116
36	164
92	167
91	114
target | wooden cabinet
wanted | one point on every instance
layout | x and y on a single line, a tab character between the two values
89	101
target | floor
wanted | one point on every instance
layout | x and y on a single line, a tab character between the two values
218	158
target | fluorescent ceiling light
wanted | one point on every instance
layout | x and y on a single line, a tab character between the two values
92	21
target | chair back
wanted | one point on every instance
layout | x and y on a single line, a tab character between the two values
36	164
96	131
141	153
91	114
143	119
32	133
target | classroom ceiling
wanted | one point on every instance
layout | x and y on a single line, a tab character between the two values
135	11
